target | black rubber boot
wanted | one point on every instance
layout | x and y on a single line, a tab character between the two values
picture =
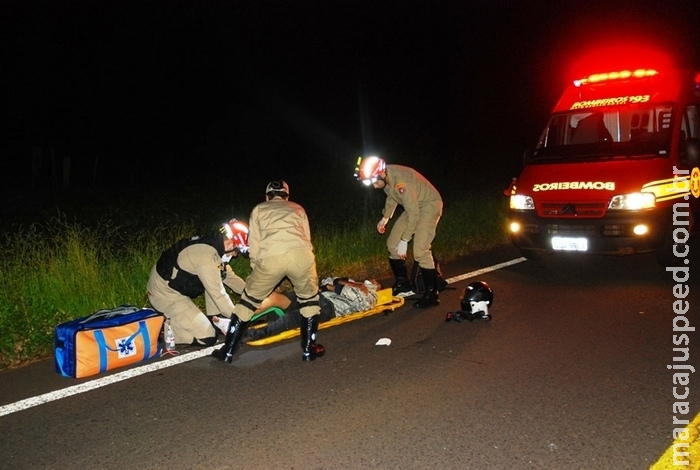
402	284
235	333
310	350
440	282
431	296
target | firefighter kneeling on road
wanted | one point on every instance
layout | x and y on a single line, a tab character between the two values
280	246
422	211
190	268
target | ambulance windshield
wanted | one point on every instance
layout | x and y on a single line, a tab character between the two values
603	133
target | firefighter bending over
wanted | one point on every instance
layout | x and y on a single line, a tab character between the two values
422	206
280	246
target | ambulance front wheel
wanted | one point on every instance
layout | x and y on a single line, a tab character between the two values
665	255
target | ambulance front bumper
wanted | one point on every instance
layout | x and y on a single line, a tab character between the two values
622	232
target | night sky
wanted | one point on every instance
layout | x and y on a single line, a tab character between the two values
161	91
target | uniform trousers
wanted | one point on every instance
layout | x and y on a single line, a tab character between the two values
298	265
422	237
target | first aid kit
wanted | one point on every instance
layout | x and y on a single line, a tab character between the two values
106	340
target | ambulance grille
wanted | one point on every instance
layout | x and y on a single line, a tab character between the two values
571	230
572	210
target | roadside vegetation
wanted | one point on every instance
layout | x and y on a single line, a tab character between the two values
72	263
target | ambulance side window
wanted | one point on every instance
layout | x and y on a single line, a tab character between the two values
690	129
691	125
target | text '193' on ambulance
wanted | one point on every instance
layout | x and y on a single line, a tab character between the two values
616	168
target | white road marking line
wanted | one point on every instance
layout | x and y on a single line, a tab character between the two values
478	272
103	381
175	360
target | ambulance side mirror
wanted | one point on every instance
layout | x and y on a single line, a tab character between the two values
692	153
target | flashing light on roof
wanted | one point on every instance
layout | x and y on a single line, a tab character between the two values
618	75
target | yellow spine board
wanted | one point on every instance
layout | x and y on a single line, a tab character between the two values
395	303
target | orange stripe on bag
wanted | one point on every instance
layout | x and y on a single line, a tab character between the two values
106	349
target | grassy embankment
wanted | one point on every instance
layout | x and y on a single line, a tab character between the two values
63	269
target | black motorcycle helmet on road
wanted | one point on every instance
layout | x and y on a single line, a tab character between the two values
475	303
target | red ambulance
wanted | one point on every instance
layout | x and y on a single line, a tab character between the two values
616	169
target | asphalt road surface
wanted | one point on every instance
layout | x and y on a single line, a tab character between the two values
571	373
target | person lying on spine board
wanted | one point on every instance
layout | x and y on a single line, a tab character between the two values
338	297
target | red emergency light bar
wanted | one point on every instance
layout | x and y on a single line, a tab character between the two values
622	74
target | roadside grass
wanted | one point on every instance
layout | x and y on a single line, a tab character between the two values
63	269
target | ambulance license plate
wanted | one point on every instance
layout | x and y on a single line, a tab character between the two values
569	244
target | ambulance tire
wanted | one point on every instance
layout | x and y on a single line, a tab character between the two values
532	254
664	255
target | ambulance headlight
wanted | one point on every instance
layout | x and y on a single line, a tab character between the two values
632	201
521	202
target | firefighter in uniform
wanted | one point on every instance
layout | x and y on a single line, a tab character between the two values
280	246
190	268
422	206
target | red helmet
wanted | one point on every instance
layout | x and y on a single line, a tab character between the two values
369	169
236	231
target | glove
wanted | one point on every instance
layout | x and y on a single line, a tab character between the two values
381	226
243	250
222	323
401	248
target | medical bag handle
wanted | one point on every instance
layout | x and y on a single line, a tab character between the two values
110	313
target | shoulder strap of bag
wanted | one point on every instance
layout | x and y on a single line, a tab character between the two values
113	312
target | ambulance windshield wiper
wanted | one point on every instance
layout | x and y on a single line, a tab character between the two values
546	158
613	156
546	154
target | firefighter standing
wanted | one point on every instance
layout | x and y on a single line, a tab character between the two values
280	246
190	268
422	206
